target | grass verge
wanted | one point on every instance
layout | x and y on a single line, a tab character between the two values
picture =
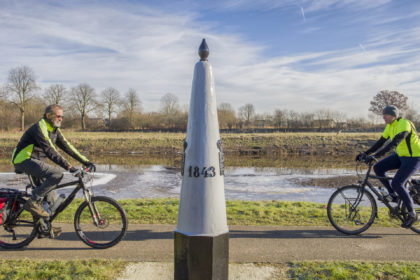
111	269
76	269
354	270
280	213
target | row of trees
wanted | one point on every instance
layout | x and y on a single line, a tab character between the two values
85	109
109	109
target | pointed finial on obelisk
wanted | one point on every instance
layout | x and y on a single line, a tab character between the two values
203	51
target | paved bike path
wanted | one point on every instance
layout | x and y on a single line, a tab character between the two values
271	244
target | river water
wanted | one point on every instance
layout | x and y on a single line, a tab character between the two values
241	182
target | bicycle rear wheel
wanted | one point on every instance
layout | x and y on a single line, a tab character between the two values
351	209
110	225
18	232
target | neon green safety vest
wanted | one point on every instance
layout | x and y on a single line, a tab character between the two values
410	146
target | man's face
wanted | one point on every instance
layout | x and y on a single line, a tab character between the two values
56	118
388	118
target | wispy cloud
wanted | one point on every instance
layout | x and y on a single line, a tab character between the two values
310	5
303	14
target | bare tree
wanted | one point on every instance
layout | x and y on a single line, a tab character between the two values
3	92
293	119
83	101
132	105
55	94
226	115
170	109
385	98
307	119
169	104
279	118
21	85
247	113
412	115
111	101
324	118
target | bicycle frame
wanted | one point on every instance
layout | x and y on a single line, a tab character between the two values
87	194
379	196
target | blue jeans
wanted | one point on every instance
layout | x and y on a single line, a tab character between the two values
407	166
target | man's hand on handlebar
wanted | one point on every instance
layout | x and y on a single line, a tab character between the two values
74	171
90	167
363	157
370	159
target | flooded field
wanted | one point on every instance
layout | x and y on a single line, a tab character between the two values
246	178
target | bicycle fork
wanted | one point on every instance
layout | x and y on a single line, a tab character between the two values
92	207
353	211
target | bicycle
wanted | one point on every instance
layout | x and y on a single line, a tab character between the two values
100	221
352	209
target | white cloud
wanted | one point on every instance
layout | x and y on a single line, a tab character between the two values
154	52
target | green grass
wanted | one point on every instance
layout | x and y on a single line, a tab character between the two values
307	270
281	213
75	269
354	270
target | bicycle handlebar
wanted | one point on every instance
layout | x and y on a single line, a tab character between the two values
80	173
369	160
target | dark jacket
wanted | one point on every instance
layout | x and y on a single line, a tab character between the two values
40	141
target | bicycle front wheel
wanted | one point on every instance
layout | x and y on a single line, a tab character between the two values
102	224
18	232
351	209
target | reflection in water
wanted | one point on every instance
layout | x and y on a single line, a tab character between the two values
241	183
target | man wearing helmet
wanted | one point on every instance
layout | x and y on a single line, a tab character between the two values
403	136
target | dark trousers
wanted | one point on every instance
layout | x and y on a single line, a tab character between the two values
407	166
40	169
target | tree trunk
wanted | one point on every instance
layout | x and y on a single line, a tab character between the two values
130	119
82	119
22	120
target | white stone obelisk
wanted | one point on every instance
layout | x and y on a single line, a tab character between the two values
201	237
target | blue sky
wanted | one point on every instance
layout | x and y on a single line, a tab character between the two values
293	54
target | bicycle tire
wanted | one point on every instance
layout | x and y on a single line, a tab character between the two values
343	217
111	229
18	232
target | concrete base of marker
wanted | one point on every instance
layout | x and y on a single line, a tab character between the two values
201	257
